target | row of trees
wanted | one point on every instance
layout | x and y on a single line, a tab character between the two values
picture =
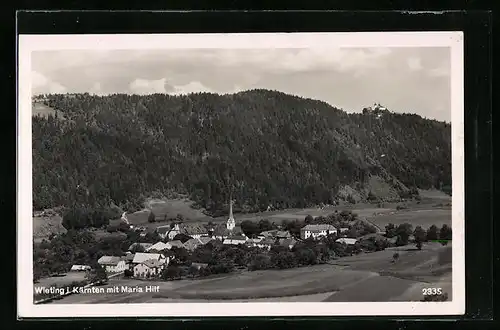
263	147
405	230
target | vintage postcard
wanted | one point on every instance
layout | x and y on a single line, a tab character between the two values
302	174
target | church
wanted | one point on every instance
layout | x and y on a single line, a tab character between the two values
229	229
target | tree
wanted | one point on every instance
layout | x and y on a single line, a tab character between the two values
432	233
420	236
403	232
309	219
250	228
395	257
97	275
151	217
445	234
172	272
128	273
390	231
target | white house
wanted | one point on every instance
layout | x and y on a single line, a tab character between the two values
112	264
348	241
316	231
79	268
235	240
141	257
148	268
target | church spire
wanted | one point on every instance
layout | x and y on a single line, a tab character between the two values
230	221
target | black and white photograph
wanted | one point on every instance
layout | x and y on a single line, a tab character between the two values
298	173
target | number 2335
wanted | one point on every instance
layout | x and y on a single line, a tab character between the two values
431	291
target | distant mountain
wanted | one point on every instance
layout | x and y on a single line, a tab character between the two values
263	147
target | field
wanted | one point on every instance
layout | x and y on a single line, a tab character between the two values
40	109
366	277
61	280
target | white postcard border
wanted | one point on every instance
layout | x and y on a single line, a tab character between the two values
29	43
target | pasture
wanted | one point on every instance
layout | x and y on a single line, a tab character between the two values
365	277
67	279
40	109
424	217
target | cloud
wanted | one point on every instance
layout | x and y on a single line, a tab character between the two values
96	89
40	84
414	63
192	87
442	71
144	86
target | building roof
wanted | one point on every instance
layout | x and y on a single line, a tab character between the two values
221	230
175	243
205	239
348	241
80	267
319	227
159	246
237	238
288	242
163	229
141	257
192	243
144	245
199	265
267	241
109	260
193	229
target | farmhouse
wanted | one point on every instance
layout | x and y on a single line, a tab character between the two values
160	246
316	231
265	243
168	231
79	268
112	264
141	257
195	231
235	240
348	241
144	246
148	268
192	244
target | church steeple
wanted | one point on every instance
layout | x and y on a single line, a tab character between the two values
230	221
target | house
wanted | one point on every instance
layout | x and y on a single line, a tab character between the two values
316	231
265	243
176	243
192	244
168	231
275	233
160	246
343	230
348	241
198	265
141	257
112	264
144	246
235	240
148	268
79	268
195	231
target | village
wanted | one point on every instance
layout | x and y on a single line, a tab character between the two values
150	261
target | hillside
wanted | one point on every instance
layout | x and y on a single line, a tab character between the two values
263	147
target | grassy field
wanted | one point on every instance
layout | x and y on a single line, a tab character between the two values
417	217
365	277
39	109
61	280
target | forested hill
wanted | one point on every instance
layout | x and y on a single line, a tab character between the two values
263	147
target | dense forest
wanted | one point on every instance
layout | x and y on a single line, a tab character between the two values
262	147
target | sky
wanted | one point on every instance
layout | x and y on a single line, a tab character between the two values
409	79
